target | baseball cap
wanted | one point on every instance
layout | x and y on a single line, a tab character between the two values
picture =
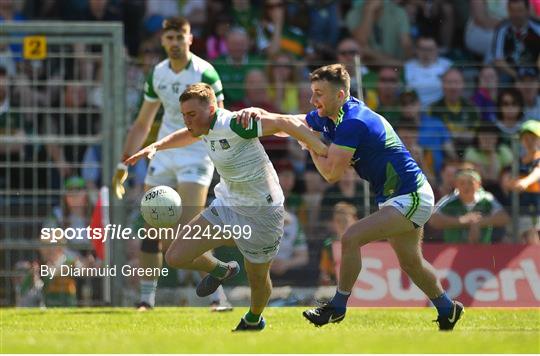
532	126
74	182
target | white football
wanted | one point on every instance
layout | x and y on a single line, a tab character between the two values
161	206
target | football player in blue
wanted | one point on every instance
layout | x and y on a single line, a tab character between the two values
365	140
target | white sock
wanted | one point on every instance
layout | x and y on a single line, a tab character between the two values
148	291
218	296
342	292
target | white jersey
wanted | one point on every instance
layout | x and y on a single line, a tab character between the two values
164	85
248	179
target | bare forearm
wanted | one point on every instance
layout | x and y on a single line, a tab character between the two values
498	219
295	128
177	139
135	138
441	221
322	165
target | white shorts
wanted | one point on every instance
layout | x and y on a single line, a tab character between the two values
170	167
416	206
265	234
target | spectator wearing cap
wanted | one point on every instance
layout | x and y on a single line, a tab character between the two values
485	95
528	184
458	113
517	40
469	214
433	135
527	84
423	73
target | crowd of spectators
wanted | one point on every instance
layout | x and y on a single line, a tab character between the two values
457	79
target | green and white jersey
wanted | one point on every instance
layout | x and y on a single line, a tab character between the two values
484	203
164	85
248	178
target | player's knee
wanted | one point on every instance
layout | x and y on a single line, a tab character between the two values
174	259
150	246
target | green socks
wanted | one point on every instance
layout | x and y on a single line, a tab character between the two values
251	318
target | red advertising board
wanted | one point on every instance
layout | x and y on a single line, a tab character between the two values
496	275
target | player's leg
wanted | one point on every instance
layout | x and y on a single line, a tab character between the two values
408	249
380	225
261	287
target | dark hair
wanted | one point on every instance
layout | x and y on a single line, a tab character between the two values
334	73
516	95
175	23
487	127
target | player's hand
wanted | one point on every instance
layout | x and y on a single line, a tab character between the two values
148	152
119	178
245	116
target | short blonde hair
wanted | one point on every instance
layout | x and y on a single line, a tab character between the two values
200	91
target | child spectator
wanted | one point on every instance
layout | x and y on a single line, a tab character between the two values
528	185
469	214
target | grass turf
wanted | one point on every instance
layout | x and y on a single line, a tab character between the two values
197	330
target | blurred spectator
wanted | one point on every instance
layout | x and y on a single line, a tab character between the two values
447	179
324	21
469	214
382	29
245	15
7	60
11	126
489	155
257	95
59	291
346	50
349	190
275	32
216	43
528	185
527	84
409	136
74	211
432	17
28	286
485	16
517	40
101	10
283	76
232	68
486	93
343	216
312	198
458	113
432	134
385	99
292	254
423	74
9	13
510	113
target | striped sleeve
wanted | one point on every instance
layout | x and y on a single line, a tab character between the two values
211	77
149	92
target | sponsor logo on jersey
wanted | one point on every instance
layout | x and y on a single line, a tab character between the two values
224	144
213	145
176	87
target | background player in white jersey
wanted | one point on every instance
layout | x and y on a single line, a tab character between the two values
188	170
248	196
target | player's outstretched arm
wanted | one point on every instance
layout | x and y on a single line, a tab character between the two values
177	139
295	127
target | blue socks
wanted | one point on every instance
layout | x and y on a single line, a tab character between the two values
443	304
340	301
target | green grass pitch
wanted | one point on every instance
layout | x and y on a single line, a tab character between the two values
197	330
